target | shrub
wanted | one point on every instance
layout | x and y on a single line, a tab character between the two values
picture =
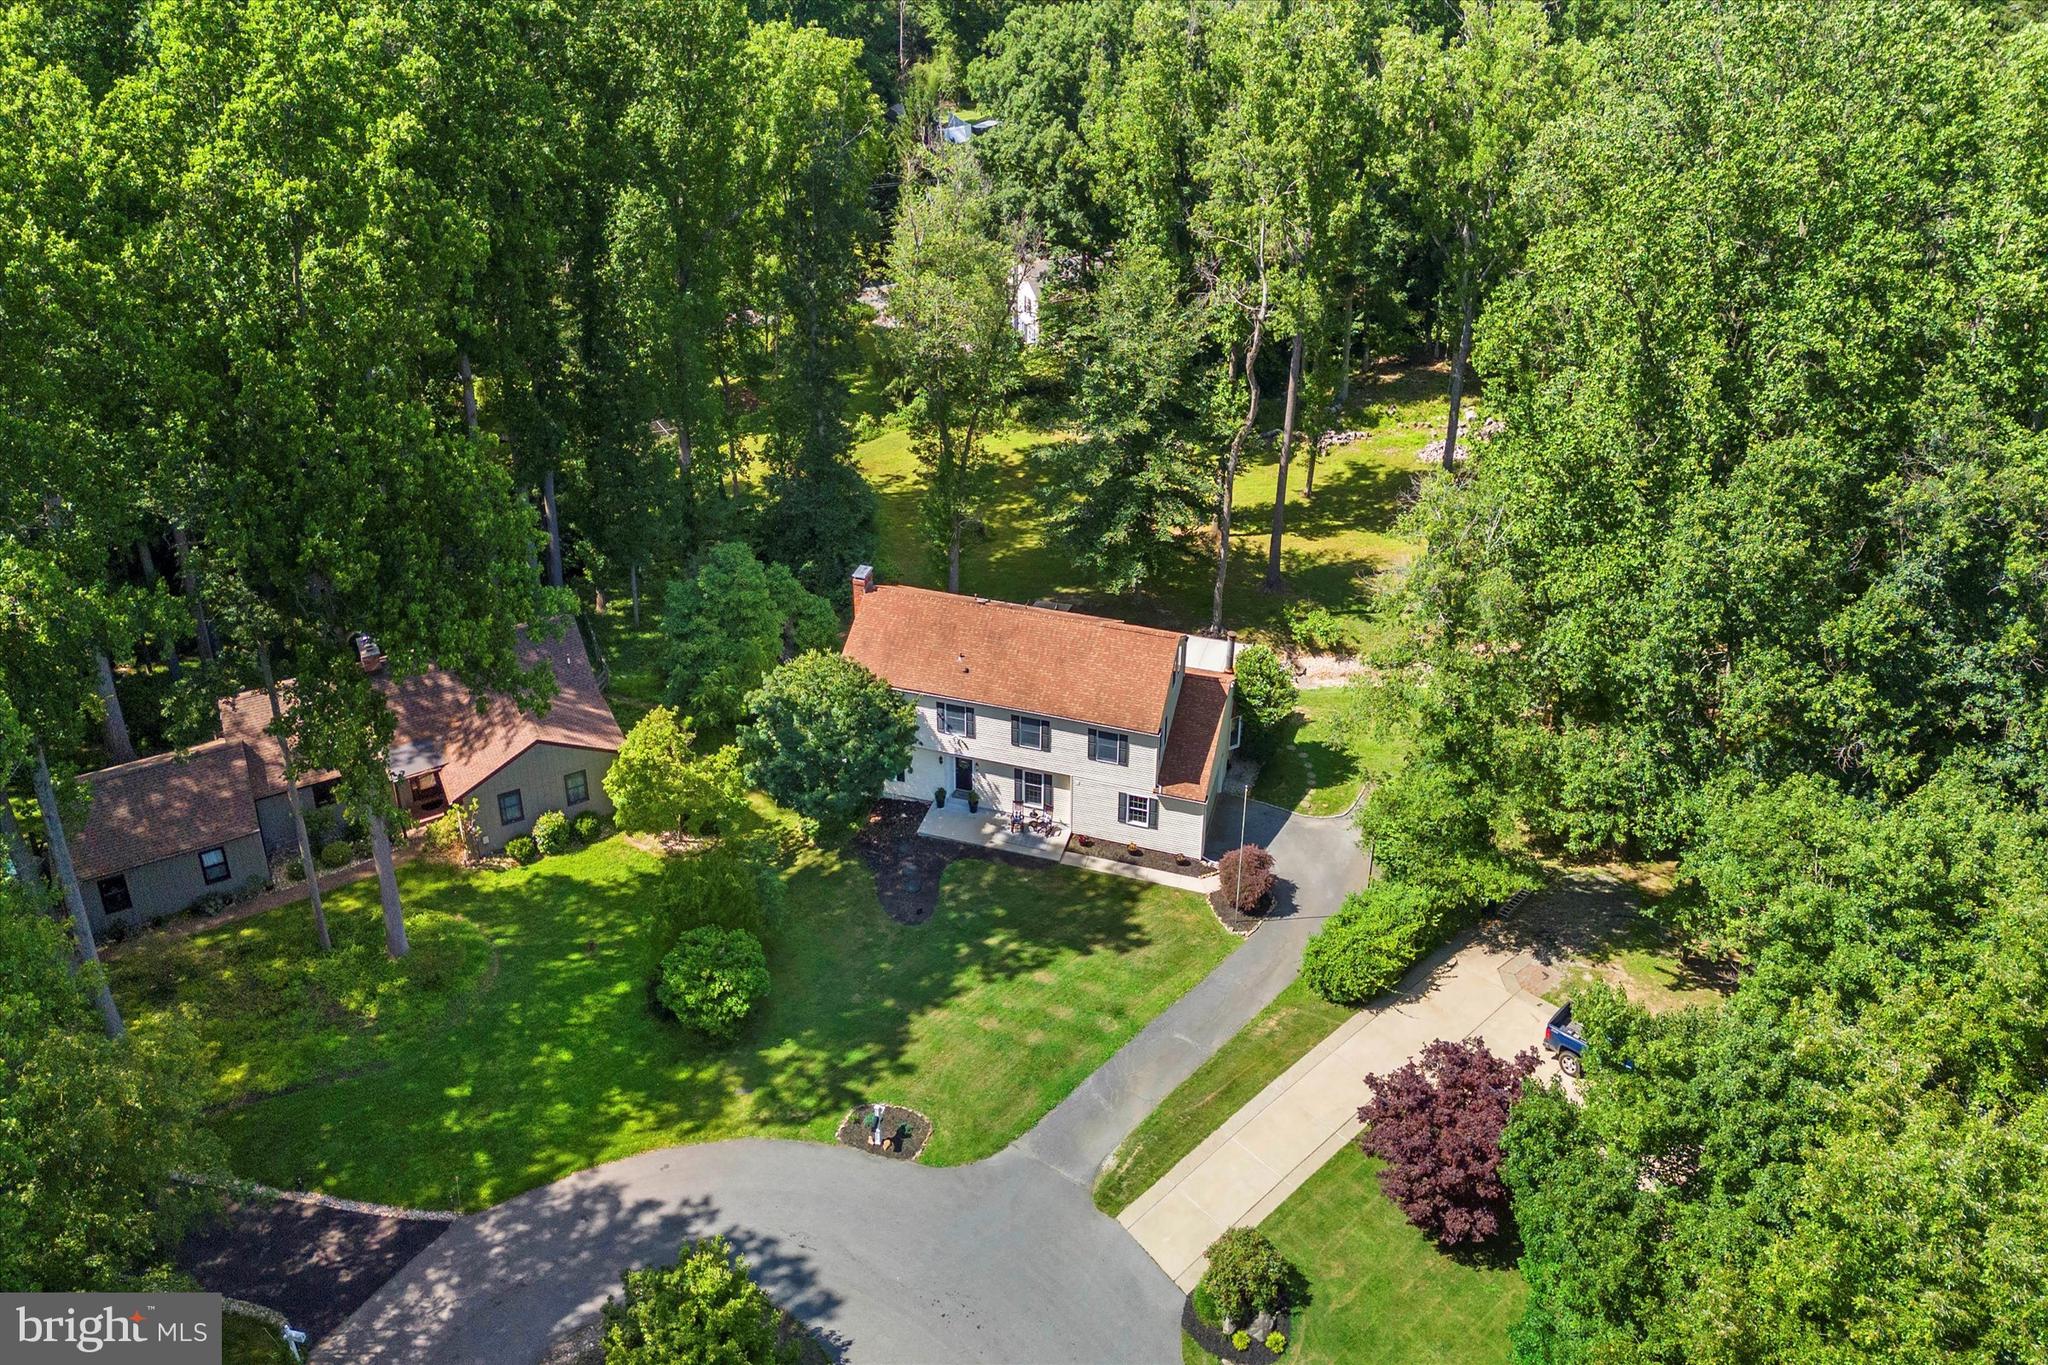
1276	1341
457	835
1317	629
717	887
551	833
702	1308
1241	1339
1369	943
822	736
659	783
1265	693
340	853
1247	1275
522	850
712	979
1436	1123
589	827
293	870
1245	877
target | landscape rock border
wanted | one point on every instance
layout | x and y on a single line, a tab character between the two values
1217	1342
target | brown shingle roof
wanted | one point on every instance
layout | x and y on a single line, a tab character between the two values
1188	762
434	711
160	807
1049	663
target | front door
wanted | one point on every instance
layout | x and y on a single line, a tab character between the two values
963	774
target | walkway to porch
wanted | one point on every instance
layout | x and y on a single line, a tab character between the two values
989	829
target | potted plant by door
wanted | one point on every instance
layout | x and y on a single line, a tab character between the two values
939	797
973	801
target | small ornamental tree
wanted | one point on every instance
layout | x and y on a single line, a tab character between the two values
1266	693
729	623
1245	878
1436	1123
713	978
701	1308
1247	1275
822	736
659	783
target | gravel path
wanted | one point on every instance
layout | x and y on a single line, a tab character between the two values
1005	1260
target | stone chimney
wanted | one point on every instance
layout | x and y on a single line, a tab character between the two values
863	584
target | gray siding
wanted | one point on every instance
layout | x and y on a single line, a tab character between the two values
540	775
169	885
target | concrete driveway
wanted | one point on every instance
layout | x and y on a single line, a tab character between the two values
1005	1260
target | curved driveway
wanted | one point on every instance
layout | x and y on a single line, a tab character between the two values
1005	1260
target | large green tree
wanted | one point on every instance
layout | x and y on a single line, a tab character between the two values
730	621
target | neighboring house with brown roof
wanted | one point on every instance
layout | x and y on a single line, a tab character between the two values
1108	727
154	825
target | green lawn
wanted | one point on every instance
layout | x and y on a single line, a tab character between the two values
1379	1292
1325	758
529	1051
633	654
1273	1041
1337	539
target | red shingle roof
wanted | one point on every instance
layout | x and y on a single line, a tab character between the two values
1031	659
1188	763
162	806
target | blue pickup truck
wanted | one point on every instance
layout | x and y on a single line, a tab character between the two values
1566	1041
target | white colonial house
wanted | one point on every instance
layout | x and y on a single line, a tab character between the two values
1106	729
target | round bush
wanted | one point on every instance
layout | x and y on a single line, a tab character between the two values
340	853
551	833
1247	1275
1368	944
1265	691
522	850
712	979
589	828
294	870
1245	877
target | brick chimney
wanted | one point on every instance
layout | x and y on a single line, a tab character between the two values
863	584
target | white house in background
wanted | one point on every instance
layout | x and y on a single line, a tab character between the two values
1027	287
1113	730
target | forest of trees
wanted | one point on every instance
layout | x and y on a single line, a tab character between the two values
426	320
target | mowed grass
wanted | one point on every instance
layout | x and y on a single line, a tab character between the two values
1326	756
1380	1293
1339	537
1274	1040
547	1058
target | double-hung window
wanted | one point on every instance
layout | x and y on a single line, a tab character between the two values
576	788
956	718
114	897
1031	732
213	865
1107	746
1034	789
511	807
1135	810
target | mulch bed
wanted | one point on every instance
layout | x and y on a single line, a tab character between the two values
1144	857
313	1263
907	866
1217	1342
1236	920
853	1132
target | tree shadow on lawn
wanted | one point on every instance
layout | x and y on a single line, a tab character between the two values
1300	766
562	1064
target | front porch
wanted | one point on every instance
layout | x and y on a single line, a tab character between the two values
989	828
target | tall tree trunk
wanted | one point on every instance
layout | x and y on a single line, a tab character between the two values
167	647
682	451
1244	431
190	576
953	557
1458	357
74	899
18	854
387	887
1344	370
633	582
119	747
1274	583
547	502
291	793
468	379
